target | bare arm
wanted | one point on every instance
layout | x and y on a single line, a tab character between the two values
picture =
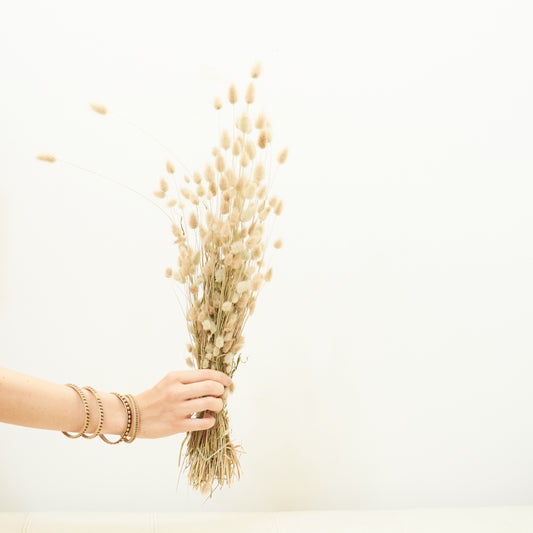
36	403
165	409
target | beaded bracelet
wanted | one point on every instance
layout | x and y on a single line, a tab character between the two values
87	412
100	409
136	419
132	412
128	424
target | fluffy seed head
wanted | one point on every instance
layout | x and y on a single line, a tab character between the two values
219	342
227	307
220	164
232	179
99	108
170	167
225	140
250	94
249	191
49	158
260	121
217	103
256	70
279	208
261	193
262	140
244	123
256	282
163	185
209	173
232	94
250	148
236	149
268	275
172	202
278	244
168	272
259	172
189	362
248	213
245	160
215	151
193	221
159	194
209	325
282	157
237	247
223	183
243	286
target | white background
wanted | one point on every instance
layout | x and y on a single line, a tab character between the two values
390	357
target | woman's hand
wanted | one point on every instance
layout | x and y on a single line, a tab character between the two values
166	408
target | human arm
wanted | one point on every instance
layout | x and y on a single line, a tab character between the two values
165	409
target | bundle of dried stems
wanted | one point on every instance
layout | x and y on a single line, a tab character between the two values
219	219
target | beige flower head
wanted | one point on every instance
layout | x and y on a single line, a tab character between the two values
278	244
250	148
259	172
256	70
220	164
49	158
232	94
260	121
168	272
282	157
244	123
217	103
225	140
193	221
163	185
262	139
250	94
236	148
99	108
170	167
243	286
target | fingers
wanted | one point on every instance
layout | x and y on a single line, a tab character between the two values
203	388
194	376
203	404
199	424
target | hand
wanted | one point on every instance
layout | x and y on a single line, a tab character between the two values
166	408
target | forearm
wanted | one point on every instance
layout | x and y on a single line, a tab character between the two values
33	402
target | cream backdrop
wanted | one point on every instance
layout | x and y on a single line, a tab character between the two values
390	358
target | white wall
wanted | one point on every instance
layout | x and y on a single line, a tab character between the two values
390	359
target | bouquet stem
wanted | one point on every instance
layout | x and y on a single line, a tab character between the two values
211	456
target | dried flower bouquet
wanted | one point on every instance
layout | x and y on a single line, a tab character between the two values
220	220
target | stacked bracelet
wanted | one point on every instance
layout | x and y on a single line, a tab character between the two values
87	412
100	409
132	413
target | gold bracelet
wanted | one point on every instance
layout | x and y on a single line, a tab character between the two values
128	424
100	409
136	419
87	412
